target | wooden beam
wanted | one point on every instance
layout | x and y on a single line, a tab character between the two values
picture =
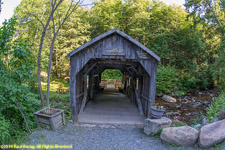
91	91
128	72
73	98
78	96
98	69
140	109
89	69
152	88
84	100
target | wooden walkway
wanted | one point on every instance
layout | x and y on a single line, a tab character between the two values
111	107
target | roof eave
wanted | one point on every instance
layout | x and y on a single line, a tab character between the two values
107	34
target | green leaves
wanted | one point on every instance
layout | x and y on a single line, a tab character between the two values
216	106
167	79
4	130
16	70
112	74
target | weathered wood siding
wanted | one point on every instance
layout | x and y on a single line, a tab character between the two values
128	57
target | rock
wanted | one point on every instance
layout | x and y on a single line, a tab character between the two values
152	126
172	113
169	99
160	94
197	104
204	121
216	119
206	103
221	115
178	106
212	134
194	113
184	135
197	125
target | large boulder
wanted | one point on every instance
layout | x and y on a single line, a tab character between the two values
184	135
169	99
212	134
152	126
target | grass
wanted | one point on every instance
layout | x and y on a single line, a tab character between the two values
56	99
158	133
177	124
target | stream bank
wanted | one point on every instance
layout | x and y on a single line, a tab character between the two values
188	107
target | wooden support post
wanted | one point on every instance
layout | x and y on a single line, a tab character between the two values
152	88
91	91
73	97
84	100
140	109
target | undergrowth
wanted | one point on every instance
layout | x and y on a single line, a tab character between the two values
216	106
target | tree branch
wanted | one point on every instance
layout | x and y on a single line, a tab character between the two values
24	118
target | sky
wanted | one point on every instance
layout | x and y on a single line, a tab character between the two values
8	7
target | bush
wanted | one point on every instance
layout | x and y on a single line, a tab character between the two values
15	74
217	105
4	130
167	79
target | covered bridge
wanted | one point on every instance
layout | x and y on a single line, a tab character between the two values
113	50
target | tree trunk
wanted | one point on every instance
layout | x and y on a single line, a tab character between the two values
49	68
55	33
54	7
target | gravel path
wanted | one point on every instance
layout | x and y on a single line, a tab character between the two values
101	138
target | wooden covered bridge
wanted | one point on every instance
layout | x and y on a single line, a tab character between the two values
113	50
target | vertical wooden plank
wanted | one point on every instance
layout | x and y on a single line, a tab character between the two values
85	95
73	89
63	117
140	109
91	92
140	84
52	124
152	87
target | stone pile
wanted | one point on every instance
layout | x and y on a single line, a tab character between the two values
207	136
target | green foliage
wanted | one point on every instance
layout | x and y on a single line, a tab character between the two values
73	33
167	78
198	120
158	133
16	72
112	74
178	124
219	73
4	130
216	106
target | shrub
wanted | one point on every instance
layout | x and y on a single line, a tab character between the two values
217	105
16	71
4	130
167	79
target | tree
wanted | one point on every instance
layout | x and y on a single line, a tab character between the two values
212	12
54	6
72	7
56	12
